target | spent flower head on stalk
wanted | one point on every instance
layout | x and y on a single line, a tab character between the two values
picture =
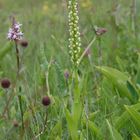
15	32
23	43
5	83
15	123
75	41
99	31
46	100
66	74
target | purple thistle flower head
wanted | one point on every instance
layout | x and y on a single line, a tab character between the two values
14	32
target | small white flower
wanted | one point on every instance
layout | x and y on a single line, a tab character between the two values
74	41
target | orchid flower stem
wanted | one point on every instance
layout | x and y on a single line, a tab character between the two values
133	17
21	110
17	55
7	109
88	47
45	121
47	78
99	52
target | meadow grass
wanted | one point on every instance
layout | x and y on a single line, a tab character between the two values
97	101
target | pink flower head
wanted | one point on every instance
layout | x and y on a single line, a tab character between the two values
15	31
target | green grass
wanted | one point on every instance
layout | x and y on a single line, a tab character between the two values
108	83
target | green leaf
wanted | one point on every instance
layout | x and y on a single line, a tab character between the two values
132	90
60	77
120	63
77	108
94	130
122	120
135	137
5	49
58	138
118	79
115	135
71	125
134	115
138	74
56	131
92	115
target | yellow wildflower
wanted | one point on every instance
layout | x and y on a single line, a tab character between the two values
86	4
45	8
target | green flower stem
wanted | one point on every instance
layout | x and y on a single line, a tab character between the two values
47	77
88	47
21	110
73	118
99	51
7	104
76	85
133	18
17	55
